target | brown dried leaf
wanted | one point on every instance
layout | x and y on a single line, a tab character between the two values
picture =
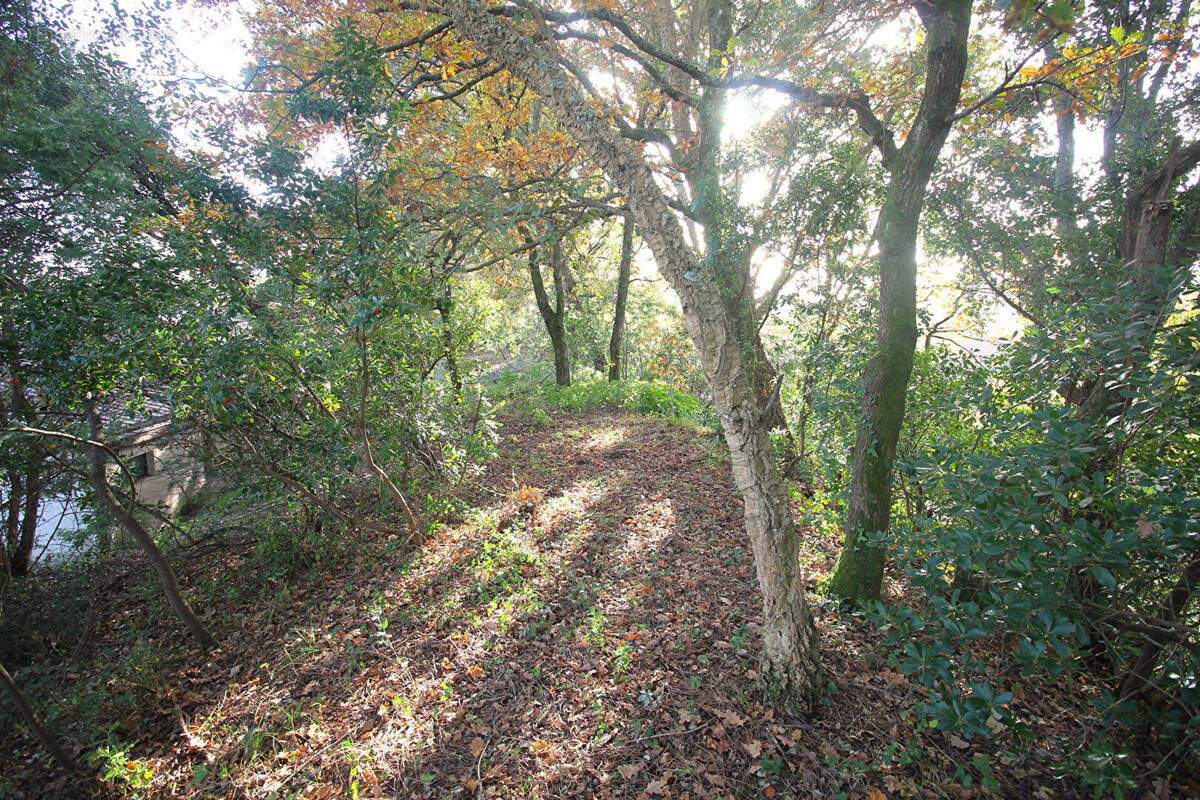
733	719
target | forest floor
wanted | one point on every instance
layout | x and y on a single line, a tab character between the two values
594	635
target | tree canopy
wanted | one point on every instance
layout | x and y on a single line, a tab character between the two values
924	272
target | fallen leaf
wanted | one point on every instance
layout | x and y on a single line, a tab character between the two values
955	741
629	770
733	719
477	745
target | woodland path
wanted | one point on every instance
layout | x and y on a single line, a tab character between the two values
587	628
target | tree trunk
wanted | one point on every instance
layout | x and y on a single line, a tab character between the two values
26	495
790	655
22	553
554	316
24	710
1137	678
1144	248
790	638
12	520
618	327
1066	199
6	574
98	478
364	441
444	305
859	571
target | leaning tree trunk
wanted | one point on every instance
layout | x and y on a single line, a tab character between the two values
26	713
790	653
98	478
618	327
859	571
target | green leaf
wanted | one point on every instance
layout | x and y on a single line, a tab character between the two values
1105	577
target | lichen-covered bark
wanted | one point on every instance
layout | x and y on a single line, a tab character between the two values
859	571
790	662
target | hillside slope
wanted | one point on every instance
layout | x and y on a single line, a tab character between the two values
588	628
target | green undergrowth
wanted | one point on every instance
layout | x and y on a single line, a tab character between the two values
92	670
523	393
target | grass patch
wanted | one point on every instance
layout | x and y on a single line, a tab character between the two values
521	392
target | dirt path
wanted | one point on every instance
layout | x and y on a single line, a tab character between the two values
588	629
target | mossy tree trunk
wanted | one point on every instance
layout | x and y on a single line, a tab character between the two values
554	316
859	571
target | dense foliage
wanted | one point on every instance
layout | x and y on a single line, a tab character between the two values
937	292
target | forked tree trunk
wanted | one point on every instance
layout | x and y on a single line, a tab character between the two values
553	316
618	329
790	654
1149	228
98	478
859	571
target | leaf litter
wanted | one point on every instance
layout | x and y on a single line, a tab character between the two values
588	629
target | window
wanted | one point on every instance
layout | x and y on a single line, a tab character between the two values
139	465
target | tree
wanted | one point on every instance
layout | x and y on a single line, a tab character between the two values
554	316
86	169
713	301
44	736
1058	491
661	124
624	266
859	571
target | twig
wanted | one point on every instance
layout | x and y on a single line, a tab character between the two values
665	735
478	776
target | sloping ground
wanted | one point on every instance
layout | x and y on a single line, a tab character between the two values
590	630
